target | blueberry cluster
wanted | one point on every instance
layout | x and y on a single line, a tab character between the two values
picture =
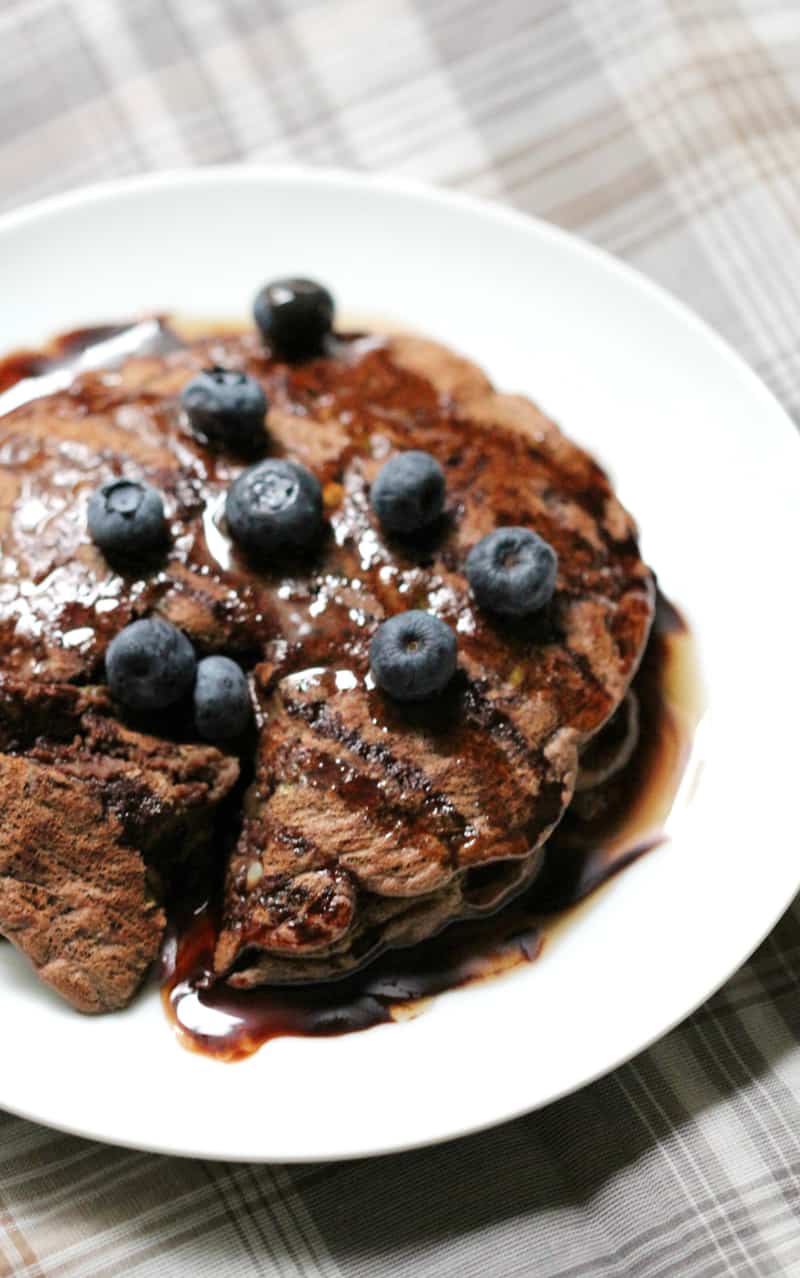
151	665
512	572
274	508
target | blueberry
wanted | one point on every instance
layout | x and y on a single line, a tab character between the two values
275	505
226	408
294	315
413	655
150	664
512	571
408	493
221	699
126	518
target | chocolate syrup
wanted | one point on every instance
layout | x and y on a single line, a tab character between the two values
606	828
341	415
66	350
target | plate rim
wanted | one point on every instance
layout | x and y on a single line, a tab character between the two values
331	175
257	173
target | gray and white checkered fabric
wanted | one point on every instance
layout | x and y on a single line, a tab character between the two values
669	132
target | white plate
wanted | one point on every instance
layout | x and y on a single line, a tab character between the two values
708	462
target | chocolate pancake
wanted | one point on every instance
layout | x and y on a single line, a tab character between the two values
94	819
367	823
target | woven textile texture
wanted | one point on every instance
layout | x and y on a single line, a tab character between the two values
667	131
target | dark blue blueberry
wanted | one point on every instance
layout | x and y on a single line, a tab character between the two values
512	571
408	493
150	664
275	505
221	699
226	408
126	518
294	316
413	655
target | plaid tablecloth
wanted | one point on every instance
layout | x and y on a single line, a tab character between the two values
669	132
